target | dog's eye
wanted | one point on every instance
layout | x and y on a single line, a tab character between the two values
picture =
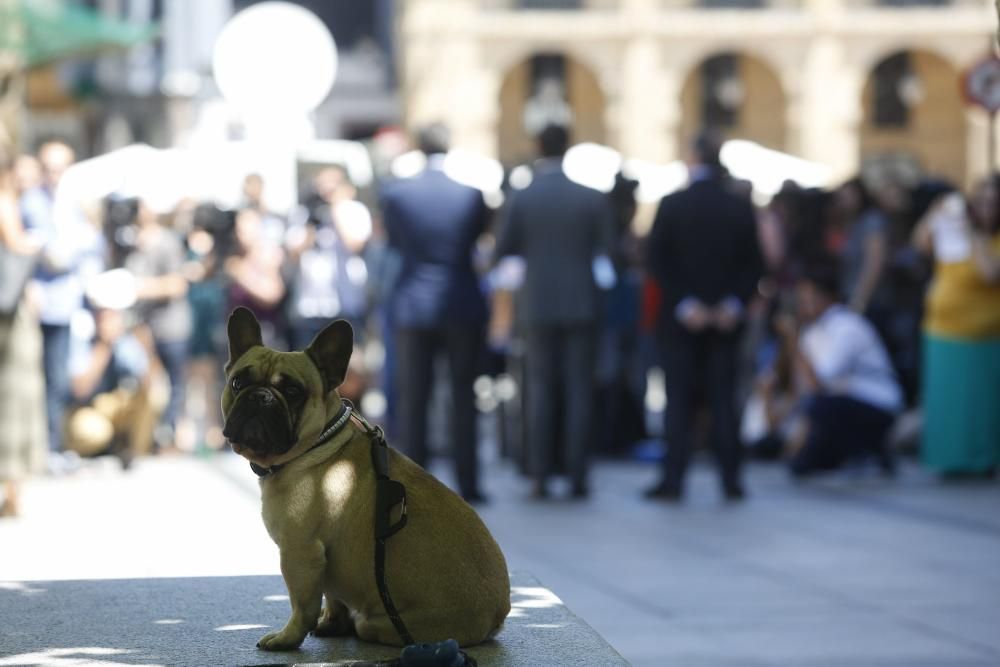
291	391
237	383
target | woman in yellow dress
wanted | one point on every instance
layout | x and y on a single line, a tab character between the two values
961	377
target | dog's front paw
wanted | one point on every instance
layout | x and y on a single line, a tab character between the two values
284	640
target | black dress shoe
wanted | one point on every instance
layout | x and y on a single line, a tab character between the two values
886	462
663	491
539	491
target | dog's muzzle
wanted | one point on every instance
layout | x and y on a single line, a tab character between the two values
259	421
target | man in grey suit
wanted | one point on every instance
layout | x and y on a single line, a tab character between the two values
559	228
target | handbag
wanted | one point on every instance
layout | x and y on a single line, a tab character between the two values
15	270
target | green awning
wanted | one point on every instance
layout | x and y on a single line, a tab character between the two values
38	32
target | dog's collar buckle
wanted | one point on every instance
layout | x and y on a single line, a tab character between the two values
261	471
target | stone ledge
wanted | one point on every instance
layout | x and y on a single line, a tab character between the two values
217	621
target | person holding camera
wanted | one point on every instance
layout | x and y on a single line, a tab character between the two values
325	245
157	261
851	395
109	376
207	241
961	380
254	277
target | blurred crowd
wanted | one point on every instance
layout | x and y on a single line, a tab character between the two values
827	328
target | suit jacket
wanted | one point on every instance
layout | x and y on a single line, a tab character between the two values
433	222
703	245
558	227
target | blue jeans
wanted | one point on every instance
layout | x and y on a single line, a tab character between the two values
55	356
173	355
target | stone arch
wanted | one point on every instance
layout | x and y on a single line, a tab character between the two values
868	56
585	96
931	132
758	103
600	58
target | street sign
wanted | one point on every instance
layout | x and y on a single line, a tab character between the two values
981	84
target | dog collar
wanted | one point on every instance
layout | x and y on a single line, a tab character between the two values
330	431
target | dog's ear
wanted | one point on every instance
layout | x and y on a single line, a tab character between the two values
331	351
244	333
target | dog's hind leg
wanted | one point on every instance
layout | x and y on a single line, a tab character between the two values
335	621
377	629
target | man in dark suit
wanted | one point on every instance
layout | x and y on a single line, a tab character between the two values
434	222
559	228
703	252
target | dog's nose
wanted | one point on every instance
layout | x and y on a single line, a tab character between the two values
262	397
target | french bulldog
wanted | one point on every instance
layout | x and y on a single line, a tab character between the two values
445	572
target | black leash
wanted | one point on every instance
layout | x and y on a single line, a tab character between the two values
388	494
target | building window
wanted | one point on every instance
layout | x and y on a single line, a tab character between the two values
891	110
548	103
350	22
547	66
722	91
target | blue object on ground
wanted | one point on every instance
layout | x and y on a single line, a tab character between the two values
652	450
440	654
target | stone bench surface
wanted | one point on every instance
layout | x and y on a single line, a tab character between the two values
217	621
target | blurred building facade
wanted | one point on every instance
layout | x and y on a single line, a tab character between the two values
847	83
163	92
841	82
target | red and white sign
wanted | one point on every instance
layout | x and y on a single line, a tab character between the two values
982	84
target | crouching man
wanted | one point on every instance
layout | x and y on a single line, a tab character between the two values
110	377
851	392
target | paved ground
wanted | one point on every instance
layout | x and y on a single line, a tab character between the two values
216	621
850	571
